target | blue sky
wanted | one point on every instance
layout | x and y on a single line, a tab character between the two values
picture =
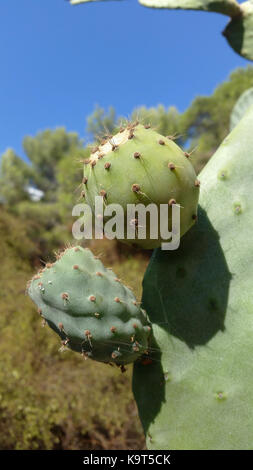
58	61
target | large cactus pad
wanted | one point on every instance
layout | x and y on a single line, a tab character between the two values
200	301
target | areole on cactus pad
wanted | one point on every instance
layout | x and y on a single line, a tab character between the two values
90	309
140	166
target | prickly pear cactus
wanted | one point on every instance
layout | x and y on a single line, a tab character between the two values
226	7
90	309
238	32
200	301
140	166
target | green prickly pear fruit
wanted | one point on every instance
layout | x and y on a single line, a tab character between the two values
90	309
140	166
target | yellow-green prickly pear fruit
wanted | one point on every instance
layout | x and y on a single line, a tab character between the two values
140	166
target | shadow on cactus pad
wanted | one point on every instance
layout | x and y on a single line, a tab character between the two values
178	277
197	271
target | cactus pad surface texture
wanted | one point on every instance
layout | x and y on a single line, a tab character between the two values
198	391
90	309
140	166
241	107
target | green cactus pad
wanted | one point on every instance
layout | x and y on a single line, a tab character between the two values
140	166
226	7
239	31
200	301
90	309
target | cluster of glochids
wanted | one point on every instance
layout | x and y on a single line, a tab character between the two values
90	309
138	165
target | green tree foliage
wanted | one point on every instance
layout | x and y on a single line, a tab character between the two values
45	151
206	122
15	175
54	167
101	123
78	410
165	121
68	177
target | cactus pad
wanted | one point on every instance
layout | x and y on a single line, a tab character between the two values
241	107
200	301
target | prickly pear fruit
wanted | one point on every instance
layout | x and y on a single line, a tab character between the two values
90	309
140	166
